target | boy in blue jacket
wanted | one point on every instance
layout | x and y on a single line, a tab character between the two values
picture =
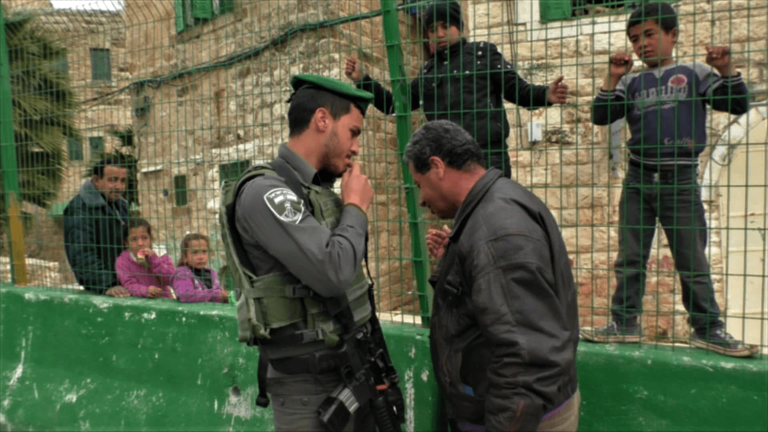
665	107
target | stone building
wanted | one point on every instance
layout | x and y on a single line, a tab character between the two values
205	121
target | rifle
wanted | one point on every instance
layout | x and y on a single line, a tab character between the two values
368	376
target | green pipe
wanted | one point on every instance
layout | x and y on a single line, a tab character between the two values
8	165
402	103
7	143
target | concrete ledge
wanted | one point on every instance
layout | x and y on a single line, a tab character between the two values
74	361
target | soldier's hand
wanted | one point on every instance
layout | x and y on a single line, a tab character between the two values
154	292
719	57
354	69
224	296
437	240
118	292
558	91
355	188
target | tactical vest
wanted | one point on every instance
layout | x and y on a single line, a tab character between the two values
276	300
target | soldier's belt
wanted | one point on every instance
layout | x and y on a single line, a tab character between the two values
316	362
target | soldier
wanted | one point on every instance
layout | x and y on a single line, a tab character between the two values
297	249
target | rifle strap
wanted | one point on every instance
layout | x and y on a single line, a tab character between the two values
262	399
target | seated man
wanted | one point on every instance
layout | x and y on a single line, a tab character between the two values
504	321
93	229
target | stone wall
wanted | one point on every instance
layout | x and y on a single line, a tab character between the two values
570	168
12	6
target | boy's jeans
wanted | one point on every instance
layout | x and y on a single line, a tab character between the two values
674	197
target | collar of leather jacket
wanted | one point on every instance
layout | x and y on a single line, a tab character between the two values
474	197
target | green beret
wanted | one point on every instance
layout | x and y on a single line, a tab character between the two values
360	98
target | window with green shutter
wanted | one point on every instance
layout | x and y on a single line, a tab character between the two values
202	9
555	10
232	170
180	190
97	146
61	65
191	13
226	6
101	64
74	149
558	10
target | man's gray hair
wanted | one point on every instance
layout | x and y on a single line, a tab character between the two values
446	140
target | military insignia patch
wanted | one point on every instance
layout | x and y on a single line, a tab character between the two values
285	204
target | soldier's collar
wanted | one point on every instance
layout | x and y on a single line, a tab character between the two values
303	168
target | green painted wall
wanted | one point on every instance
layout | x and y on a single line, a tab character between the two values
660	388
82	362
78	362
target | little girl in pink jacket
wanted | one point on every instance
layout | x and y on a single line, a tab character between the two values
139	269
193	281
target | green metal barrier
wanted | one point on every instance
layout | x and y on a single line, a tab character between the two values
83	362
78	361
193	92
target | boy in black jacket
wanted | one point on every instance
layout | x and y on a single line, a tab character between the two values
464	82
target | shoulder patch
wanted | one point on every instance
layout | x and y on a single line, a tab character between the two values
285	205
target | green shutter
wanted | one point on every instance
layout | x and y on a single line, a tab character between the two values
74	149
180	21
226	6
180	190
61	65
616	3
554	10
97	146
101	65
202	9
232	170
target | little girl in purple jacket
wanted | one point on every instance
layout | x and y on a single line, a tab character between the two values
193	280
139	269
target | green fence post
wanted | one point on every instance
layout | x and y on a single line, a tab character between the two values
9	167
403	116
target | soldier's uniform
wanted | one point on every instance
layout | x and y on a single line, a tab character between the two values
303	245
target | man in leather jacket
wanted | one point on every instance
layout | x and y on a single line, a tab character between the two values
464	82
504	320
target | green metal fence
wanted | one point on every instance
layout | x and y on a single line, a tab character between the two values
192	92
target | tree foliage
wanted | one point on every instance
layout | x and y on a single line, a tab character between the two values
44	110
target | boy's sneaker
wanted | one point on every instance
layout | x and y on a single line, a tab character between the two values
611	333
722	342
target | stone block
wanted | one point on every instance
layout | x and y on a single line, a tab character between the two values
556	30
526	12
553	197
574	156
607	43
488	15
